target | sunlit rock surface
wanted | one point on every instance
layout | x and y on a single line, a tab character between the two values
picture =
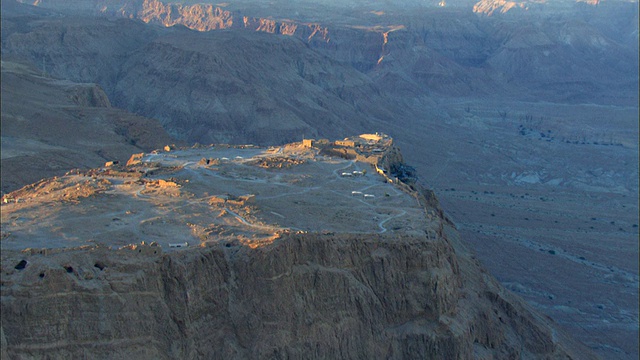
231	277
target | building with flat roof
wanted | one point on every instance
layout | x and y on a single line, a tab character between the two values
345	143
372	137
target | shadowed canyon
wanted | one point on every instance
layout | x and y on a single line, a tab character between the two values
520	117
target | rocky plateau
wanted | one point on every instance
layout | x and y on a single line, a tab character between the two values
520	116
266	290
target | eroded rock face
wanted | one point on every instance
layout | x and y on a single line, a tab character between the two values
452	52
305	296
411	292
326	78
220	87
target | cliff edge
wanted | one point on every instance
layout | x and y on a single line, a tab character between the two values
240	276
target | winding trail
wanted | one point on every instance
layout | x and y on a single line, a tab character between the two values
381	223
335	172
195	172
245	222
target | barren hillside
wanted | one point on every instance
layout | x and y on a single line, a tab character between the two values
50	126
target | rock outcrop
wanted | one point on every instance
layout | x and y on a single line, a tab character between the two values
402	294
304	296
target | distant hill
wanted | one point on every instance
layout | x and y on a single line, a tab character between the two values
50	126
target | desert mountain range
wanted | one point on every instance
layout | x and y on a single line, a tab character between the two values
521	116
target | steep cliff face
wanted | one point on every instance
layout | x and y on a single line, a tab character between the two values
408	293
229	87
450	51
582	54
306	295
201	17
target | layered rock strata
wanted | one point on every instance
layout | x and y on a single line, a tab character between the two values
306	296
303	294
